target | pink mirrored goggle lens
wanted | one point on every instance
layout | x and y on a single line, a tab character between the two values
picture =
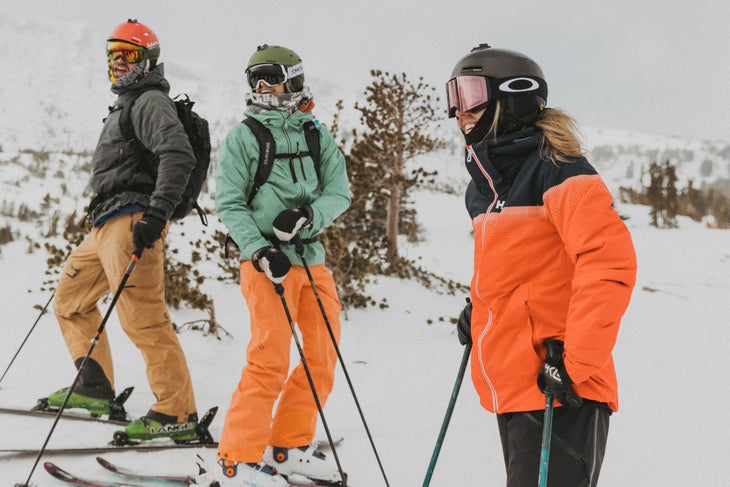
465	93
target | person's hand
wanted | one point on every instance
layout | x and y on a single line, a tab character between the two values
555	379
272	262
289	222
148	230
463	326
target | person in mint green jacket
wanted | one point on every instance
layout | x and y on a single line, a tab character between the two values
296	200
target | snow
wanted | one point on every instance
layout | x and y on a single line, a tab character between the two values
670	356
403	362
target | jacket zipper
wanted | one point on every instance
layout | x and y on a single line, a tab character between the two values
480	354
472	156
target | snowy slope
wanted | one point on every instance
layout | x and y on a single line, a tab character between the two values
403	360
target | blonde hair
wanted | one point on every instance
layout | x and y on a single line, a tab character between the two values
561	135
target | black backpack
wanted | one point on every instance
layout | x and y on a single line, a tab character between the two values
196	128
267	151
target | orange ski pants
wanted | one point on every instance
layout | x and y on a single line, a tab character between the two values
95	268
249	425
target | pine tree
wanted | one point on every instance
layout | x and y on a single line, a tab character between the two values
671	197
655	192
396	116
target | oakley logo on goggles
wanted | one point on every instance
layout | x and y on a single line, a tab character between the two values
271	74
129	52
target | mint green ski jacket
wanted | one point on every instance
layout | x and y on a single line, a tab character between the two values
293	183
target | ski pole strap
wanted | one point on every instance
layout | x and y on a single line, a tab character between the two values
278	243
271	238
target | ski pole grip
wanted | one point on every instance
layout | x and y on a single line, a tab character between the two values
554	348
298	244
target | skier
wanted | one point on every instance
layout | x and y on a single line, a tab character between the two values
295	201
552	261
130	214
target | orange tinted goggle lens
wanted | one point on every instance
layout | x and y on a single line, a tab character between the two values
465	93
129	52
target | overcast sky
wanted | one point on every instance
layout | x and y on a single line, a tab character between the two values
654	66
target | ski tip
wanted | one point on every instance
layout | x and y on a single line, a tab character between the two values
212	411
105	464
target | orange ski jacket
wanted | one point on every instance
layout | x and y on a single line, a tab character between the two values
552	259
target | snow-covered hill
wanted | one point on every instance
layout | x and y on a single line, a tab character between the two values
54	95
671	360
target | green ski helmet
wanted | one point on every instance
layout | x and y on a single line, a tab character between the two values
274	65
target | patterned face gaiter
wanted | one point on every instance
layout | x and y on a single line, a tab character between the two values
132	77
287	102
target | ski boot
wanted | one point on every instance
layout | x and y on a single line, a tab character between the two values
156	425
97	402
247	474
303	461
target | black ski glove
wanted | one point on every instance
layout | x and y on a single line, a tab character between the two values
272	262
148	230
464	324
289	222
555	379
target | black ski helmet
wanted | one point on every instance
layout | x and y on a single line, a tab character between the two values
510	76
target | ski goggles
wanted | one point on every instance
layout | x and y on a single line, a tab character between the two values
470	93
466	93
271	74
129	52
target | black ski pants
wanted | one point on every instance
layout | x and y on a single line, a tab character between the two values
577	445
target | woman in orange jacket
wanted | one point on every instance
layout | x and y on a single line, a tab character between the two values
552	261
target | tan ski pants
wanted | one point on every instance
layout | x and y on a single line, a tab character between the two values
95	268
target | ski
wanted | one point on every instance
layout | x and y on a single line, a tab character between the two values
72	479
294	480
146	447
116	416
132	475
66	415
205	440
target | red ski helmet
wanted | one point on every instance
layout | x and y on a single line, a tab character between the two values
140	35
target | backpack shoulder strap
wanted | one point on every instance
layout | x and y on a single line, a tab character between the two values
267	149
311	136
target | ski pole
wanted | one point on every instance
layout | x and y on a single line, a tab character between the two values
554	349
547	427
280	291
135	257
300	251
447	418
43	311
